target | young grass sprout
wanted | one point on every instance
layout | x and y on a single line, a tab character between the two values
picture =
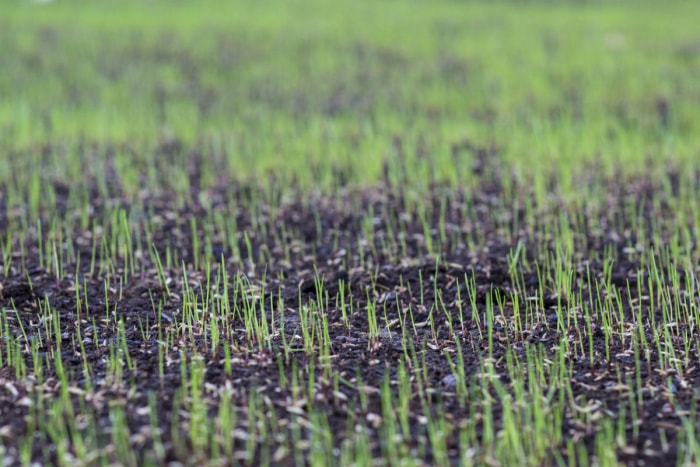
234	236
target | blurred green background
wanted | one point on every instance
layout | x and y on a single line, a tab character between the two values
309	89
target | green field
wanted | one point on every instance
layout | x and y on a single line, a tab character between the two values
305	232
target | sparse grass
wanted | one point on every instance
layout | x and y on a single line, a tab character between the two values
367	233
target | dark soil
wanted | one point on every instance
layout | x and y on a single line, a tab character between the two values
289	247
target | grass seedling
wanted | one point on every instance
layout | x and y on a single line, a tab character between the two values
523	276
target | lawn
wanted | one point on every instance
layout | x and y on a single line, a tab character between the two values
357	233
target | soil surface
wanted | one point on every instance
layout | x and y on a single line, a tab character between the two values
391	261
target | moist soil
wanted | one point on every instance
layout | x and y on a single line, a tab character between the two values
307	246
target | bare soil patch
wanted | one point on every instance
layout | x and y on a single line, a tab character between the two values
365	248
